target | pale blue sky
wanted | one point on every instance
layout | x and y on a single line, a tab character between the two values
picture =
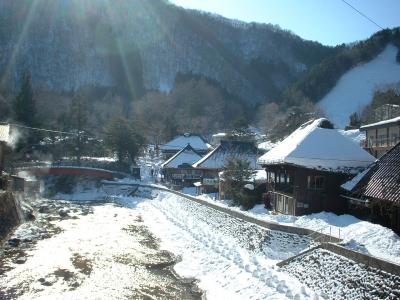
330	22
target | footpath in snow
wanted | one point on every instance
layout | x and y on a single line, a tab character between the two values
232	259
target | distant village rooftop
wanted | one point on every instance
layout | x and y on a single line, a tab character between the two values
316	145
185	156
216	159
179	142
381	123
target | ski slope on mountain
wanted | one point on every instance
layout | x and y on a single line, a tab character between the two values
355	89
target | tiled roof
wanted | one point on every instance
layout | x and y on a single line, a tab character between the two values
382	180
196	141
216	158
187	155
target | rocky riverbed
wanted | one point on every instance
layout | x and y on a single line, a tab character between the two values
76	250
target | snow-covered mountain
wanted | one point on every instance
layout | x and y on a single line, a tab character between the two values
356	87
139	45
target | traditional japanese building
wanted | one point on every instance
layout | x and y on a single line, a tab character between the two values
178	169
381	136
179	142
213	163
305	170
374	194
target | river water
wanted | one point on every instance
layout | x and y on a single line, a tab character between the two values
152	245
89	251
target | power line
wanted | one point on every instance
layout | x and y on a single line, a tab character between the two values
362	14
40	129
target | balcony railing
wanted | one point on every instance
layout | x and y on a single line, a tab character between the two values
381	142
186	176
283	203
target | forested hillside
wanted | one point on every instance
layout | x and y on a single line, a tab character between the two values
166	68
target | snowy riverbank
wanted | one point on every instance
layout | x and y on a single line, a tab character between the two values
358	235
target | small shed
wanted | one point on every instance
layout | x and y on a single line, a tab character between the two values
305	170
178	169
375	192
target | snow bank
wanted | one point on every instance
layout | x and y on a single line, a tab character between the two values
355	89
225	269
360	235
266	146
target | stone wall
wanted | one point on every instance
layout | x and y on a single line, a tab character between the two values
10	213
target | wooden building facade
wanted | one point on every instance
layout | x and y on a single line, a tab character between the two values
305	171
213	163
178	170
375	193
381	136
296	190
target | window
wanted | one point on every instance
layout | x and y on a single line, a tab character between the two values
319	182
372	141
315	182
382	139
395	139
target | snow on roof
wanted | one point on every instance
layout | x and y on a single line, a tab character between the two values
313	147
349	185
385	122
355	135
187	155
216	158
5	133
181	141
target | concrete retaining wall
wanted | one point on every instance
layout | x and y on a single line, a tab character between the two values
316	236
324	239
363	258
355	256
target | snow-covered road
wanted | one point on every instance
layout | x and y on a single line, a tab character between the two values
231	259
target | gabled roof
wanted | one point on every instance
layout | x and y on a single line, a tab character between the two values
384	123
5	133
381	180
187	155
179	142
216	158
314	147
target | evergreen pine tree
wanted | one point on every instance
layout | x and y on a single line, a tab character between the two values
24	104
123	140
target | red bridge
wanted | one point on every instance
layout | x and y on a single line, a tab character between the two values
70	170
